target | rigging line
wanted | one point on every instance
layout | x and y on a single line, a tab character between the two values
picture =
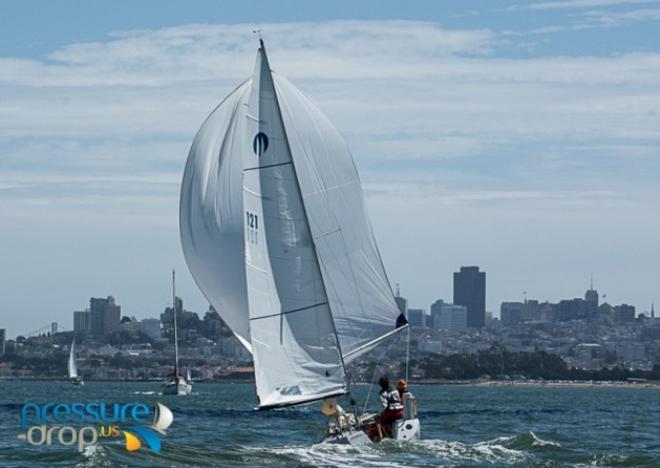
373	377
267	166
289	311
407	351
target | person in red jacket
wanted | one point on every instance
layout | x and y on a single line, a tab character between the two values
392	410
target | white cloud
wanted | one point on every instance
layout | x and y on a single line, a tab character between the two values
212	52
496	153
574	4
609	18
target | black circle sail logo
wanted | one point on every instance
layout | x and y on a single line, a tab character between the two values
260	143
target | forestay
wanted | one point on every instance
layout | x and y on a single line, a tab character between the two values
294	345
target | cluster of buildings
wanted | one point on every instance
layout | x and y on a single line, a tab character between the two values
112	346
467	310
103	318
586	333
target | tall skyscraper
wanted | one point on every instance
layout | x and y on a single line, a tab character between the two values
436	310
470	291
3	339
105	315
82	322
591	299
167	319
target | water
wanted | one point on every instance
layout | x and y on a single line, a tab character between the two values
461	426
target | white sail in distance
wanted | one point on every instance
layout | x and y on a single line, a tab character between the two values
307	287
72	368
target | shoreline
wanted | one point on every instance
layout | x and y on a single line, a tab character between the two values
542	383
460	383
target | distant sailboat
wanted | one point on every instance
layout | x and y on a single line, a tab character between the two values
275	232
176	383
72	367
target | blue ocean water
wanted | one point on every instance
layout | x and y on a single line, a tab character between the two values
461	426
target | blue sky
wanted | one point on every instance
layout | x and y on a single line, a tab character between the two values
519	136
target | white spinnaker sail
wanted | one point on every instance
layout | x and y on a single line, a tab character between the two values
211	211
359	293
215	238
294	345
73	369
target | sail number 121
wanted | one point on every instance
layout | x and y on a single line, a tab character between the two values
252	227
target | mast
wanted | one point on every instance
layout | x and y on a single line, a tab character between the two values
176	338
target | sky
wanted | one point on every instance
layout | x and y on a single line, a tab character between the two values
522	137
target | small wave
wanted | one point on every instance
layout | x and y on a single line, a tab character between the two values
491	451
150	392
526	440
95	455
326	455
513	450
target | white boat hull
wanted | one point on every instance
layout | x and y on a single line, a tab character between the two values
177	388
407	429
404	429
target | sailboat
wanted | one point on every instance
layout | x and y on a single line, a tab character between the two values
176	383
72	367
275	232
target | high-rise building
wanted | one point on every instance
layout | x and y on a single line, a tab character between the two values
151	328
452	318
3	341
53	328
167	319
436	310
572	309
624	313
105	315
82	322
470	291
417	317
531	310
511	312
591	300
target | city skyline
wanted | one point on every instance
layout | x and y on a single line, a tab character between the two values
519	137
84	318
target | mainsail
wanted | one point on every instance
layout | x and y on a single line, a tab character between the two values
295	349
73	369
275	231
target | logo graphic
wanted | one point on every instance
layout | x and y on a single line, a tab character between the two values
84	424
260	143
150	434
